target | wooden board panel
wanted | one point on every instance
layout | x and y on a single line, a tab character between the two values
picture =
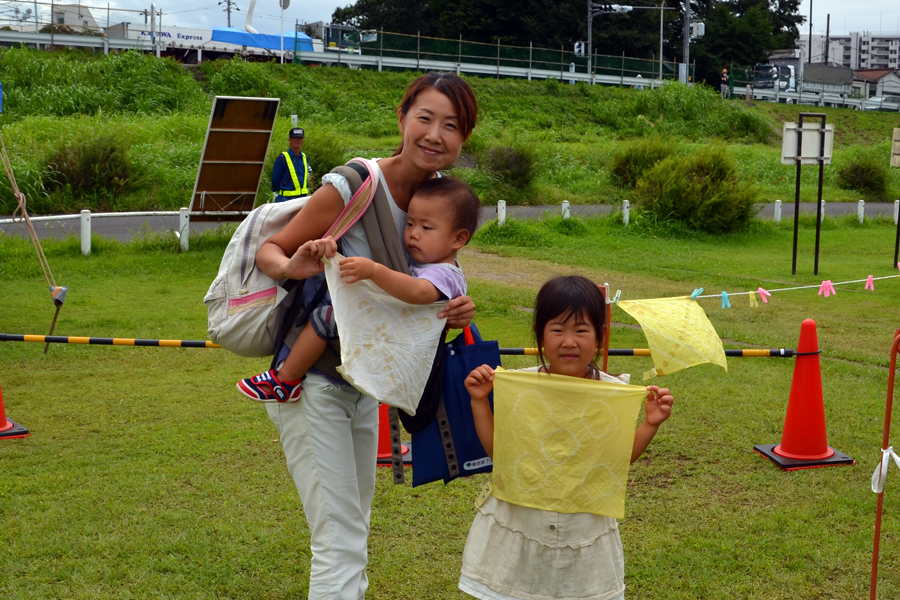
234	153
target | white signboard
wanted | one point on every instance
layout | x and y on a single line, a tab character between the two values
812	143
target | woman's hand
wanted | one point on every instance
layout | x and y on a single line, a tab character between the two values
480	382
659	405
459	312
307	260
357	267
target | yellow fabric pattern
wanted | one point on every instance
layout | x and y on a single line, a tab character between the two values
563	443
678	332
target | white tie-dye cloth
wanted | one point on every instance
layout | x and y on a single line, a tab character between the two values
387	345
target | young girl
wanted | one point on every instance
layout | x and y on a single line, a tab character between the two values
530	554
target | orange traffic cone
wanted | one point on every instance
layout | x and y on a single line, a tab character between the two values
384	440
9	430
804	442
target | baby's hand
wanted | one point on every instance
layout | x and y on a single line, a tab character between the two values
355	268
307	260
480	382
659	404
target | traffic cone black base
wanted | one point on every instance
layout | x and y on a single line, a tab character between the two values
12	430
792	464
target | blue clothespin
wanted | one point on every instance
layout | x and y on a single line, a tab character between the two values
617	296
726	303
696	293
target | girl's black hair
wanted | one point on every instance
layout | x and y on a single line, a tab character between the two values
568	296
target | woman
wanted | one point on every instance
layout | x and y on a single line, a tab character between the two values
330	437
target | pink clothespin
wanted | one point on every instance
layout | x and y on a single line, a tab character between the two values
827	288
764	295
870	284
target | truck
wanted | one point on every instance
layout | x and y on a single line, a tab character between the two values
775	77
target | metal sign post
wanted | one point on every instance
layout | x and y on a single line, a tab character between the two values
895	162
807	144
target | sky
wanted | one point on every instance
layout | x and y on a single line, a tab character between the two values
846	16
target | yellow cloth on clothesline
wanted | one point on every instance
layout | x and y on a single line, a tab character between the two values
563	443
678	332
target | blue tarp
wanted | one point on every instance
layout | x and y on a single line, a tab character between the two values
233	35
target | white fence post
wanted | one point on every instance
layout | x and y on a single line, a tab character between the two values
778	211
896	211
626	206
184	227
86	232
293	120
501	213
861	211
823	209
565	209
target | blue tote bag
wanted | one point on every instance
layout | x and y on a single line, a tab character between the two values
429	460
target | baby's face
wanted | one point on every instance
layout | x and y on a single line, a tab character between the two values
429	236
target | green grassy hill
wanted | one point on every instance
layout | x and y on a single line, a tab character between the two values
146	119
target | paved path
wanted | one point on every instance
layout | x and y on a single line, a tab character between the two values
127	228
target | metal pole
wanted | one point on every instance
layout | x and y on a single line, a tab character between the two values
459	53
809	45
498	58
590	24
686	43
797	194
530	50
661	5
418	46
819	200
897	239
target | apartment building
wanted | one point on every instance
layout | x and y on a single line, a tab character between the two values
858	50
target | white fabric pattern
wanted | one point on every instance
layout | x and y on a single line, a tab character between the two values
387	346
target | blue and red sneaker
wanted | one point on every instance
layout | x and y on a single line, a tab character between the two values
266	387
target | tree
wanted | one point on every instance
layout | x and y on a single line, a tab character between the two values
398	16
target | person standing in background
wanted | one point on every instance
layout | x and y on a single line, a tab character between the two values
724	84
289	167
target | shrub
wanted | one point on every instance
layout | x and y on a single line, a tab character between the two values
95	166
632	161
514	166
865	174
325	148
700	190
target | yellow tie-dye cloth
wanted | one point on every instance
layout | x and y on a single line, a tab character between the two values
563	443
678	332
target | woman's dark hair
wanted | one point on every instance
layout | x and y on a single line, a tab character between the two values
455	88
569	296
458	196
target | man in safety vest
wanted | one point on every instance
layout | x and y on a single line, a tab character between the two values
291	171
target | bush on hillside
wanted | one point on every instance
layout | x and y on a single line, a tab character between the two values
96	167
700	190
513	166
326	150
632	161
865	174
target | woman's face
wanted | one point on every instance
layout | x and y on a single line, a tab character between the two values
432	137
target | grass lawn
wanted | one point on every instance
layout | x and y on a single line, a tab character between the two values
147	476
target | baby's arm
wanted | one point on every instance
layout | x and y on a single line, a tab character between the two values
479	384
400	286
658	409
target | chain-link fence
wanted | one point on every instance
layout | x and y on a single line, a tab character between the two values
421	48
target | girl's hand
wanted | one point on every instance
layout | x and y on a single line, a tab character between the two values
357	267
307	260
659	405
459	312
480	382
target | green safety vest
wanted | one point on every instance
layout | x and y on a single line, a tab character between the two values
298	190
